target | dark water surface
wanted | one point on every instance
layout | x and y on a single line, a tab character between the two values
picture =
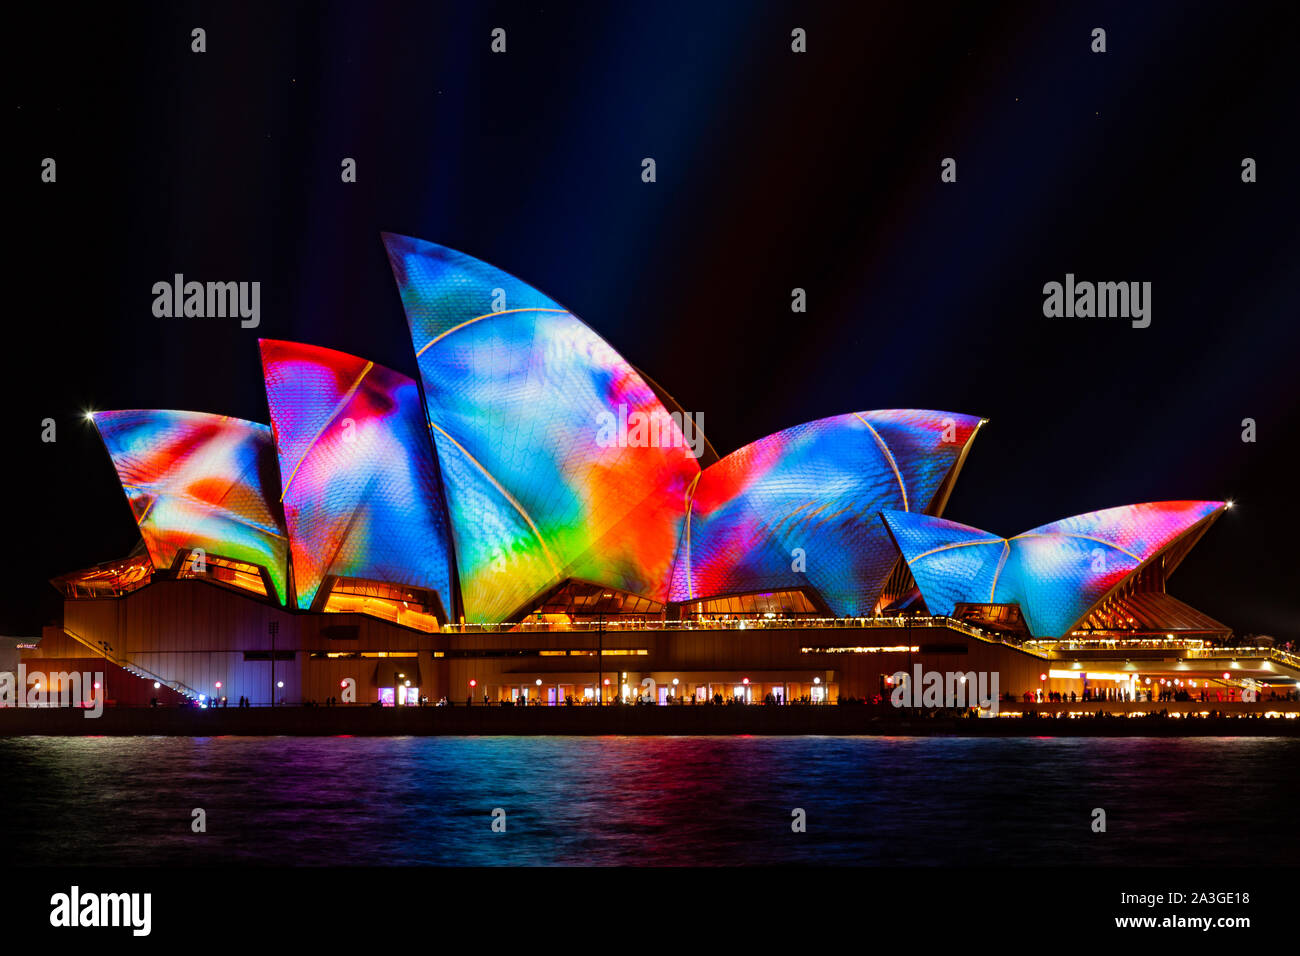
648	800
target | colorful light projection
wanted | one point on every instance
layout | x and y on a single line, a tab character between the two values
1057	572
195	480
519	395
361	492
798	508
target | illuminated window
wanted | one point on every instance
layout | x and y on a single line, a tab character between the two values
238	574
792	603
410	607
112	579
894	649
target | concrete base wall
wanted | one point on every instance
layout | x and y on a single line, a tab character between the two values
202	635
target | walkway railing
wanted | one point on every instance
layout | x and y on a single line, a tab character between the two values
1234	651
1193	650
720	624
183	689
1044	649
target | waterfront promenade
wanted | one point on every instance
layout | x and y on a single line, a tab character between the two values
1264	718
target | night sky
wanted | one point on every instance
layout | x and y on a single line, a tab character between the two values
775	170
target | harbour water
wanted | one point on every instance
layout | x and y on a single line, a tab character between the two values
331	801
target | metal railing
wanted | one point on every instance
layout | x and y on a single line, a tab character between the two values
1044	649
130	667
711	624
1234	651
1192	649
726	624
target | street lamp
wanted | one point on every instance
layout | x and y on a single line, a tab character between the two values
273	628
600	657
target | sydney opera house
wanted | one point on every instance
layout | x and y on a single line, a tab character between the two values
533	519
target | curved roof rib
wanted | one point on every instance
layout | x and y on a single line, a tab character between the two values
1057	572
797	508
196	480
362	495
558	459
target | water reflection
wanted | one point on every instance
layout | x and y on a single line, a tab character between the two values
646	800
